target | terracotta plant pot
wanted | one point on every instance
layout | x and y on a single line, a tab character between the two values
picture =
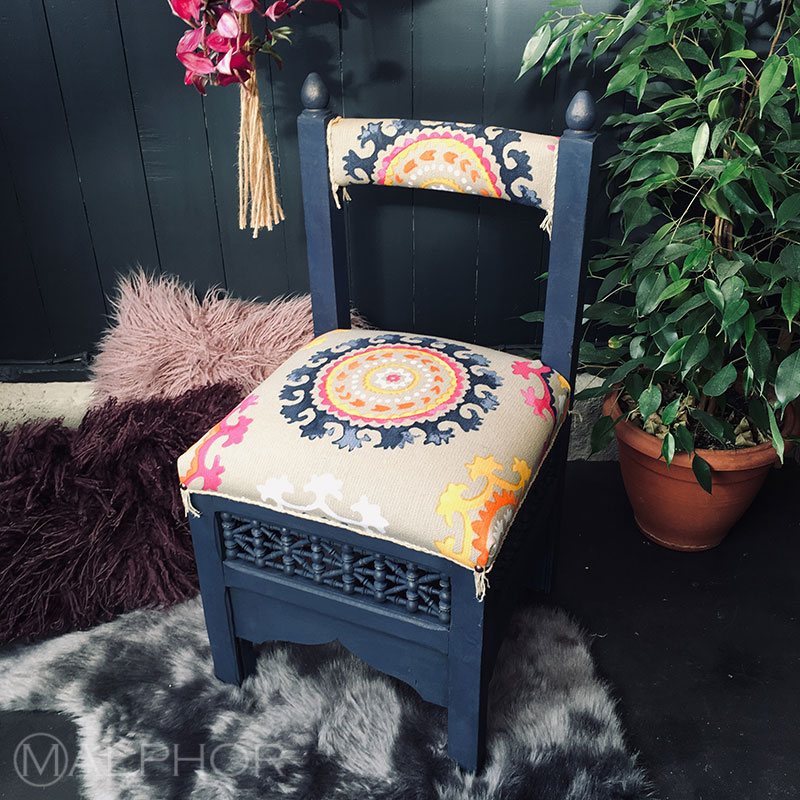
669	506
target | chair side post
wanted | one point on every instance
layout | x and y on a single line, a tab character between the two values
324	223
563	303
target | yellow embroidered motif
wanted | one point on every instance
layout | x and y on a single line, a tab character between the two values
496	503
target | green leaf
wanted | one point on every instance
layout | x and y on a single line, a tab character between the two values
649	292
683	438
788	209
679	141
639	85
610	283
757	411
694	352
732	171
720	129
739	199
713	425
534	49
739	54
533	316
602	434
636	212
636	347
702	471
684	308
622	79
700	144
713	293
777	438
772	77
673	289
764	192
671	411
790	258
668	448
721	381
790	301
734	312
674	351
633	16
749	323
650	400
557	47
668	63
759	357
749	147
787	379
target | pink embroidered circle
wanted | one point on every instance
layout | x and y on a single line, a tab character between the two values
391	384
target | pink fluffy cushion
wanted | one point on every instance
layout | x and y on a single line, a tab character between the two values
163	341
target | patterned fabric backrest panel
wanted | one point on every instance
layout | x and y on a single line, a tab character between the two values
448	156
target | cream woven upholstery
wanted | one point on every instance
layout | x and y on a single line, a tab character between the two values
423	441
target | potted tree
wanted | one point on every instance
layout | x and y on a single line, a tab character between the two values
701	292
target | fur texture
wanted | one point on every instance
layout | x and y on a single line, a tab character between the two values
91	521
315	722
163	341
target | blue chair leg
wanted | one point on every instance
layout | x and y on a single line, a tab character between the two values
234	658
468	678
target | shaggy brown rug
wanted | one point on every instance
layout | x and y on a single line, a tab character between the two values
91	521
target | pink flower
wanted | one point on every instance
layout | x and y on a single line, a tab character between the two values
186	9
191	40
196	62
277	10
228	25
235	67
199	81
243	6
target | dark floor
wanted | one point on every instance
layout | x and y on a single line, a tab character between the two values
702	649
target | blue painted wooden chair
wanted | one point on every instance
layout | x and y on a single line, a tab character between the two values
366	491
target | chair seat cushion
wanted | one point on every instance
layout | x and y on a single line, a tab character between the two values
423	441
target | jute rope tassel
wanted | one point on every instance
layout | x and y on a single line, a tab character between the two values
257	186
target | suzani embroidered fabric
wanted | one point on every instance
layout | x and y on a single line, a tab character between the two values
427	442
453	157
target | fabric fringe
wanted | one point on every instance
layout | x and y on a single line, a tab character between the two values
334	186
186	499
257	186
547	222
481	583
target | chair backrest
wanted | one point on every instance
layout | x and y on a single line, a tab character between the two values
548	173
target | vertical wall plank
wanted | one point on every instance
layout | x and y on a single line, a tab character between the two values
315	48
40	155
253	267
24	331
448	53
376	58
94	84
513	249
173	141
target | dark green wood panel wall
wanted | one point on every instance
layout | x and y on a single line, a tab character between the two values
108	161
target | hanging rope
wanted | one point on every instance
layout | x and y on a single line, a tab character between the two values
257	187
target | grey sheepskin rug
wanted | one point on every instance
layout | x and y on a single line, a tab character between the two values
315	722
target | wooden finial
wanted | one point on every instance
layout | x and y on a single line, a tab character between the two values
314	93
581	112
